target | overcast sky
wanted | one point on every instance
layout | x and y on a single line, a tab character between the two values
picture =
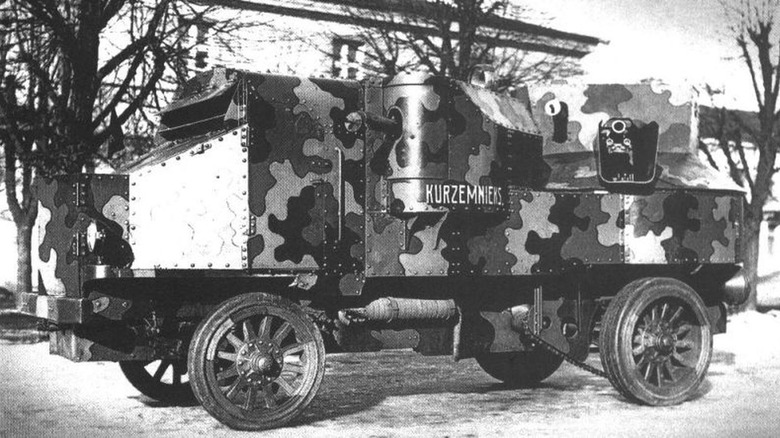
672	40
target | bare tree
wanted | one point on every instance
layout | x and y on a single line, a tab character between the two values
442	36
753	31
75	74
18	123
451	38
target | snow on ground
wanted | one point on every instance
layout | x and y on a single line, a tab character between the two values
7	253
752	338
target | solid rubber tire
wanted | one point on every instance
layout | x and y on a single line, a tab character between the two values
200	344
633	299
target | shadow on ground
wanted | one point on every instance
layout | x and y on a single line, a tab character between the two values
357	384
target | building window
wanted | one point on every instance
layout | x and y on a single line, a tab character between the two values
346	58
199	51
200	39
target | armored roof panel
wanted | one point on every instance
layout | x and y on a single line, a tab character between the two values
203	87
503	110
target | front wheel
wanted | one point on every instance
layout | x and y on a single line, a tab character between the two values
656	341
256	362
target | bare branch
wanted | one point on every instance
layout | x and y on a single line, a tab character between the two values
47	11
159	70
733	168
741	151
706	150
110	9
749	62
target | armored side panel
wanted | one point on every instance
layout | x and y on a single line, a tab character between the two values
306	178
557	213
188	197
569	117
190	209
549	232
437	194
682	227
66	206
278	189
688	214
545	232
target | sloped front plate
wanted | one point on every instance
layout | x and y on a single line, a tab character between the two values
191	211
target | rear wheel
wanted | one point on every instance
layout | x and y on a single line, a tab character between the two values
256	362
656	341
522	368
163	380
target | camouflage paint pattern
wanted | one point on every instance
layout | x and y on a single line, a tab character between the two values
681	227
290	190
276	185
549	232
452	133
306	177
548	225
587	105
66	206
571	156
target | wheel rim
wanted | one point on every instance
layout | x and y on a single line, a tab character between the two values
168	373
164	380
262	363
667	345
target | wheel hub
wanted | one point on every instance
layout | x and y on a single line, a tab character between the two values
259	361
660	341
666	343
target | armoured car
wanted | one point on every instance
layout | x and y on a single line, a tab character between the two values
280	218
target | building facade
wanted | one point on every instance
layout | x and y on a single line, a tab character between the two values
328	37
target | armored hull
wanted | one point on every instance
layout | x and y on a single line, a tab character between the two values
416	211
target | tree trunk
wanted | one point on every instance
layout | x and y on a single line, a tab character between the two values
750	250
23	251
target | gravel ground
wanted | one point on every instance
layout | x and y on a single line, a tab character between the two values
399	393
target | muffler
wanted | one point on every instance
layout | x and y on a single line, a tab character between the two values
400	309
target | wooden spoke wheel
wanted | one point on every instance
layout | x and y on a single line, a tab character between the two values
256	362
656	341
163	380
520	369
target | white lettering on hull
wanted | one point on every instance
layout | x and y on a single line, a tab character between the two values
462	194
